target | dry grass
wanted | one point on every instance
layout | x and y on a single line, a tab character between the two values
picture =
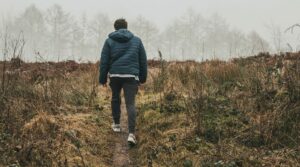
54	115
239	113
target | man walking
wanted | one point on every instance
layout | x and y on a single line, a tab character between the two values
124	61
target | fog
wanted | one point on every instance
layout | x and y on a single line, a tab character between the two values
193	29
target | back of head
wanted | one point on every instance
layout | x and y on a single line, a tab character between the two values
120	24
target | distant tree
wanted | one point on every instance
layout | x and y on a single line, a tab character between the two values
76	39
7	27
59	24
170	40
79	38
217	33
257	43
147	31
185	36
98	29
193	34
277	37
32	24
236	42
291	30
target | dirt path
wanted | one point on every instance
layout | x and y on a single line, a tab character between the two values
121	149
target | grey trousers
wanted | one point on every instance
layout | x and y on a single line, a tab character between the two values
130	88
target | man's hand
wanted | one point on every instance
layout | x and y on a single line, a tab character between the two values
104	85
141	86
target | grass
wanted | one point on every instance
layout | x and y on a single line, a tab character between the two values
244	112
238	113
52	115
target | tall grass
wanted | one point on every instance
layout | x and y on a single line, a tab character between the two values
245	104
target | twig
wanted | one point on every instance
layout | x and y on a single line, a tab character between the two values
4	61
82	159
291	28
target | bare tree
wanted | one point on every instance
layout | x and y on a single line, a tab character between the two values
237	43
98	28
291	28
217	29
190	34
170	40
257	43
277	37
32	24
147	31
79	38
59	23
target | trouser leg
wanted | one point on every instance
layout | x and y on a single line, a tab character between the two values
130	87
116	86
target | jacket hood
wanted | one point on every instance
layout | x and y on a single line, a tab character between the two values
122	35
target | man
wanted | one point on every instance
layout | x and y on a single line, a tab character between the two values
124	60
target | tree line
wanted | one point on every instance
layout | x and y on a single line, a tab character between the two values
57	35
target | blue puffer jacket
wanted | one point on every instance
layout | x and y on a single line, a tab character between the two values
123	53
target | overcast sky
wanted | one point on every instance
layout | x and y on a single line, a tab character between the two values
246	15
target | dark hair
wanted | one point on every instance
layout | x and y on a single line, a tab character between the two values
120	23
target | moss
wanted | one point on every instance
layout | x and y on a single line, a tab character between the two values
253	140
77	98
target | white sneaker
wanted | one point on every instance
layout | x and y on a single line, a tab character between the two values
131	139
116	127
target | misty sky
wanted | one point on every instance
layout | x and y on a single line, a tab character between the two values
262	16
246	15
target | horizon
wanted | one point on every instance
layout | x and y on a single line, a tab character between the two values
243	16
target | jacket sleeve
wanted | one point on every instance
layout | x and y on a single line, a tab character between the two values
104	63
143	64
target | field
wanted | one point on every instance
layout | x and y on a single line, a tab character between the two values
243	112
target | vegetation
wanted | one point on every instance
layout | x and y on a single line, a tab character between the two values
50	116
244	112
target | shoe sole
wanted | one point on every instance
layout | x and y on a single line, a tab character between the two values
131	143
